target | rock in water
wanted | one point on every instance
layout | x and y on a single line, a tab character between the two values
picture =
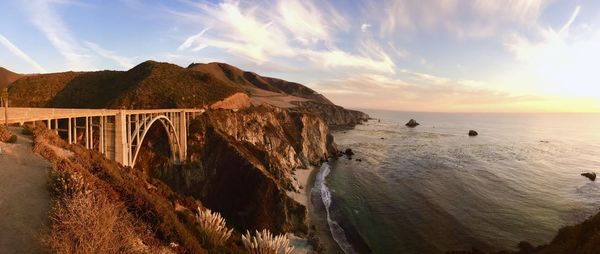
348	152
473	133
412	123
590	175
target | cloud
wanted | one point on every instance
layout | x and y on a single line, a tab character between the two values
425	92
291	30
567	25
20	54
45	18
463	19
364	27
111	55
192	39
560	62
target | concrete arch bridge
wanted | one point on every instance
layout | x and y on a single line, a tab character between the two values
119	132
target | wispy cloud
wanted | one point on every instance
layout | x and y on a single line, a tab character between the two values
463	19
560	60
20	54
425	92
364	27
45	18
295	30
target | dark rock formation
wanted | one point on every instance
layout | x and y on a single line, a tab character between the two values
348	152
412	123
590	175
473	133
243	162
359	160
335	116
583	237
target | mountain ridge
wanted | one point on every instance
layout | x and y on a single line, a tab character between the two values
153	84
7	77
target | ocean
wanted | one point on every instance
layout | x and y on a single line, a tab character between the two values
433	189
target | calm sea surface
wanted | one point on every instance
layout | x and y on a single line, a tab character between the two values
432	188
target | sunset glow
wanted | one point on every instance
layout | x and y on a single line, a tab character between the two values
498	56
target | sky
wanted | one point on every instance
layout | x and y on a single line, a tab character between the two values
427	55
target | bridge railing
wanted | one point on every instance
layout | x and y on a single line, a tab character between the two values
21	115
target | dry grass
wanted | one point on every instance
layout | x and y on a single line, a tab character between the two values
212	226
85	220
265	242
85	217
89	223
6	135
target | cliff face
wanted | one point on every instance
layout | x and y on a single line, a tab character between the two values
244	162
335	116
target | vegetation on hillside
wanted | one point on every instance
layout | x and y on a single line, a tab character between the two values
101	207
148	85
264	242
7	77
7	136
248	80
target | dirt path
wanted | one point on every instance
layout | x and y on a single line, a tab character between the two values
24	199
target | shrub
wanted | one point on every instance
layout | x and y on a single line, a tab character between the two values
26	131
265	243
212	226
5	134
68	184
12	139
88	222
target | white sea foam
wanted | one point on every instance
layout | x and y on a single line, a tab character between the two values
336	230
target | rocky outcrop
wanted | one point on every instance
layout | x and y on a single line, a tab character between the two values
590	175
335	116
412	123
473	133
580	238
244	162
348	152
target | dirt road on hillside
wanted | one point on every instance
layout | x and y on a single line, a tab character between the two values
24	198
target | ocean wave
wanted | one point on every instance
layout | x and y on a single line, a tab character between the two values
336	230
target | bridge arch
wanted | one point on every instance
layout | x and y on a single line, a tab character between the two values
136	142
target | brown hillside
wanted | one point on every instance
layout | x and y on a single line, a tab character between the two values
8	77
148	85
162	85
250	80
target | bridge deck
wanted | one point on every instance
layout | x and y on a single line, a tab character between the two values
21	115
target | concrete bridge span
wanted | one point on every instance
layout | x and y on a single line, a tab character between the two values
116	133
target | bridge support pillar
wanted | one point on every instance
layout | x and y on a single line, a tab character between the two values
70	132
121	148
182	136
56	126
75	130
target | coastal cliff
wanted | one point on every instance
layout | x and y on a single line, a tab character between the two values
335	116
244	159
243	163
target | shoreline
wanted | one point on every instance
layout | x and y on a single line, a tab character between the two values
317	218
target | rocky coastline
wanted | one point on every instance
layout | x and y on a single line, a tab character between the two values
252	161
